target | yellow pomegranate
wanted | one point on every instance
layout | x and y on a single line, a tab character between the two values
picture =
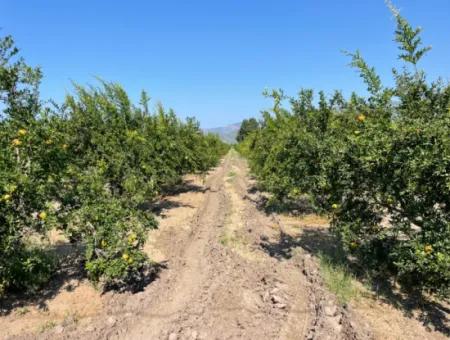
335	206
428	249
22	132
131	238
42	215
16	142
6	197
125	257
361	118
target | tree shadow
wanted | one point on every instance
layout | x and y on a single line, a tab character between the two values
160	207
184	187
321	243
313	240
431	313
69	275
146	275
270	204
253	189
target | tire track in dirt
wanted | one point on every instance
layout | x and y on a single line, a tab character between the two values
190	269
315	313
225	288
222	289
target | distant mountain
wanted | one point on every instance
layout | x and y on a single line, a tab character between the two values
226	133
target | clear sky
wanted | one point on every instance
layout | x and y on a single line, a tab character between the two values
212	59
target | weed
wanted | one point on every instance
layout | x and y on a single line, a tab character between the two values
46	326
338	279
22	311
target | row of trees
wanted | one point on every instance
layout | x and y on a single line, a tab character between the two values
85	167
379	165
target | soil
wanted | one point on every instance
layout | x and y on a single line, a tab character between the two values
226	272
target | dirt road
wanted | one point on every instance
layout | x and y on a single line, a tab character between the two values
219	282
228	275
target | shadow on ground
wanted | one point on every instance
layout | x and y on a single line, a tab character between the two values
69	276
71	270
146	275
183	187
269	204
321	243
159	207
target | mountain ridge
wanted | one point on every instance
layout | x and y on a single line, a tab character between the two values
227	133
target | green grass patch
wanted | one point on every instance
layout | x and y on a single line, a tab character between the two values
338	279
228	239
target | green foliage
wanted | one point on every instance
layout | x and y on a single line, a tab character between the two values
85	167
121	157
114	237
247	126
24	185
27	269
368	73
408	38
379	165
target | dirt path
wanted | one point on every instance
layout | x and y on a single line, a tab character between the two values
220	284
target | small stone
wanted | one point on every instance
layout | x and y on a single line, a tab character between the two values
280	305
277	299
274	291
194	335
430	328
173	336
310	335
112	320
59	329
330	310
336	325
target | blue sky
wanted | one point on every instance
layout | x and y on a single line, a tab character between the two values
212	59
